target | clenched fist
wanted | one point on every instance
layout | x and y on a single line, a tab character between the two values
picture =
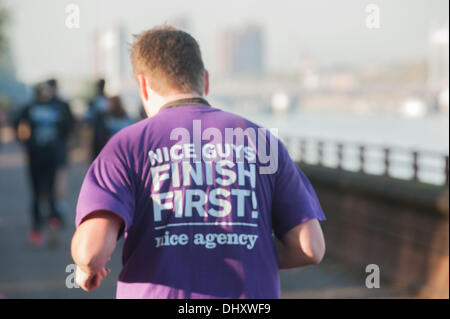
90	281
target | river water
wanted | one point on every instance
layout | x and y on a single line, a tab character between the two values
428	135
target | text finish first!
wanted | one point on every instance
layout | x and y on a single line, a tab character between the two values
221	176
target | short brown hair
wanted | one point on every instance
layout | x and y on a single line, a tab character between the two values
170	58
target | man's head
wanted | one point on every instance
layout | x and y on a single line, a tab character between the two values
167	64
42	92
53	87
100	86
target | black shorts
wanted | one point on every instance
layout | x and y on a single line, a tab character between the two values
62	156
42	168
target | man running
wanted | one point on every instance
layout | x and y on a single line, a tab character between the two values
115	118
40	126
196	192
95	118
67	126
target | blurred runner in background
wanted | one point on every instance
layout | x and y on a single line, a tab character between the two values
115	118
41	126
3	120
61	172
94	117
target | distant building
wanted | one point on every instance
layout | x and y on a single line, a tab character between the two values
225	52
438	67
112	62
12	90
111	59
241	51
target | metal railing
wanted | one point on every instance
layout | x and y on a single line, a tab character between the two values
398	162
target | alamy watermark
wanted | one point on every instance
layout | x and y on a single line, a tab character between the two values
73	16
373	277
373	17
251	145
70	279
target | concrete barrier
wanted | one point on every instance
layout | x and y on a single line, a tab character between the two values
401	226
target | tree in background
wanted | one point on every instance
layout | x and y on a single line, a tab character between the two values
12	90
3	20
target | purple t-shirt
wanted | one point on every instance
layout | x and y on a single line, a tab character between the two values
201	193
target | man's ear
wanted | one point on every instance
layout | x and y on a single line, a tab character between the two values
206	82
143	87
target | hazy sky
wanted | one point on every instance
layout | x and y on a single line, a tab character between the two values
333	32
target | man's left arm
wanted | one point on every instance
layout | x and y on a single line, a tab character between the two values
296	215
92	246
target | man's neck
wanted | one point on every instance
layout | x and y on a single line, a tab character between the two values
175	97
170	98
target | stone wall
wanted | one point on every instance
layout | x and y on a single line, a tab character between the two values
401	226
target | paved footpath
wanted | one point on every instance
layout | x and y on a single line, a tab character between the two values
28	272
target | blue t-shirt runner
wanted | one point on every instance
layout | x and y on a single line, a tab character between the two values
201	192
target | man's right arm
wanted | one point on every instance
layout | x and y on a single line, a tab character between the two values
303	245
